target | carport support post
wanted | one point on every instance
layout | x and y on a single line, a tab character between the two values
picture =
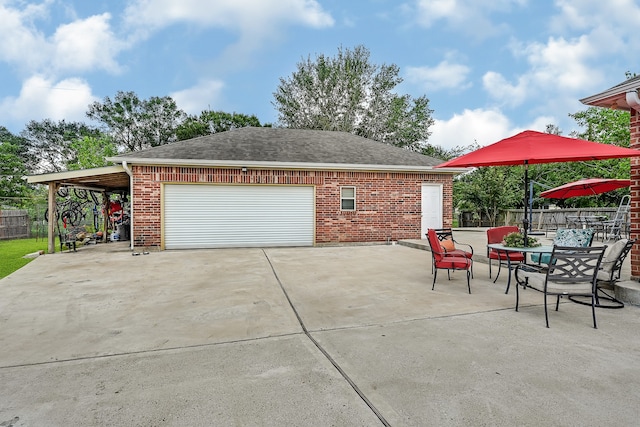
105	209
51	225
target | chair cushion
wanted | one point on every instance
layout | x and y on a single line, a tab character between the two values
575	237
459	252
569	288
448	245
453	262
540	258
513	256
611	254
534	279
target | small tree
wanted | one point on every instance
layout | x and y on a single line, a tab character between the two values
210	122
91	152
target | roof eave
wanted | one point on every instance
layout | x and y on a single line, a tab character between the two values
280	165
614	97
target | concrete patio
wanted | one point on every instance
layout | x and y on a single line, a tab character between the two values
343	336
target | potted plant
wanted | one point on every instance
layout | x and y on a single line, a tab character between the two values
516	240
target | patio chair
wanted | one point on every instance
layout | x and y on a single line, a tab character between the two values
613	228
573	237
497	235
572	271
451	246
610	271
440	261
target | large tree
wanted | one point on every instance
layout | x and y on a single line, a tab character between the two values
210	122
13	186
49	143
349	93
136	124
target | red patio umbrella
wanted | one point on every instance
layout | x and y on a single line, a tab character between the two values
585	187
531	147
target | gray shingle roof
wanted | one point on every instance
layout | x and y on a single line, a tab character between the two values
280	145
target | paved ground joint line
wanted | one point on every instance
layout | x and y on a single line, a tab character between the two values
323	351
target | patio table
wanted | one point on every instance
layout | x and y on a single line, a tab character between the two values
528	250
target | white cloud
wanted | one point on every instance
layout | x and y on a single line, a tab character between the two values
20	43
507	93
445	75
41	98
252	16
82	45
469	16
202	96
481	126
558	69
86	44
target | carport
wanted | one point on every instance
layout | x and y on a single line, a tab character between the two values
106	180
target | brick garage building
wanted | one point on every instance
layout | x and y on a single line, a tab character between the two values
283	187
624	96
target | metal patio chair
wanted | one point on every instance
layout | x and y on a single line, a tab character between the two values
572	271
440	261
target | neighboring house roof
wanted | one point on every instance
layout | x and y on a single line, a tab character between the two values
614	97
283	148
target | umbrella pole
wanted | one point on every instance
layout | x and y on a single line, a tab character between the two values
525	220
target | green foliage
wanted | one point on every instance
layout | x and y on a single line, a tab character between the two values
49	143
516	240
210	122
12	171
13	251
488	190
134	123
91	152
348	93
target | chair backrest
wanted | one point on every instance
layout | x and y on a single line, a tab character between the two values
497	234
444	233
574	237
434	243
575	265
615	256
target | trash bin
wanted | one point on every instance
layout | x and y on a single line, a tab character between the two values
123	231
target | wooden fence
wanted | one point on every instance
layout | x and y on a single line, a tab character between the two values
541	219
14	224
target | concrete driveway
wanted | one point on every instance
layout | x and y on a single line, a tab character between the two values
344	336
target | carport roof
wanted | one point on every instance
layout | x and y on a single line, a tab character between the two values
282	148
109	178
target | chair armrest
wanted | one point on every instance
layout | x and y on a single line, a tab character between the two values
467	245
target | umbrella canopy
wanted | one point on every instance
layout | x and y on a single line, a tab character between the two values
585	187
531	147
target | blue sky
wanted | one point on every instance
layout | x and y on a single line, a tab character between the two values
490	68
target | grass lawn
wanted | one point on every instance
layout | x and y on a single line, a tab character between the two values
12	251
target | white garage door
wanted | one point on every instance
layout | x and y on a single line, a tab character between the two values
222	216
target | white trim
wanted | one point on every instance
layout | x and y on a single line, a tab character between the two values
284	165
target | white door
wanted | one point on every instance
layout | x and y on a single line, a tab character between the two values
431	207
220	216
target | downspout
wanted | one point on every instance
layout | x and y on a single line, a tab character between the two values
128	170
633	100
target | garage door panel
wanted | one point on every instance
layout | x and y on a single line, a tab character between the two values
205	216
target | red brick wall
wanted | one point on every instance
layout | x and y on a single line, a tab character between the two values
388	205
635	195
